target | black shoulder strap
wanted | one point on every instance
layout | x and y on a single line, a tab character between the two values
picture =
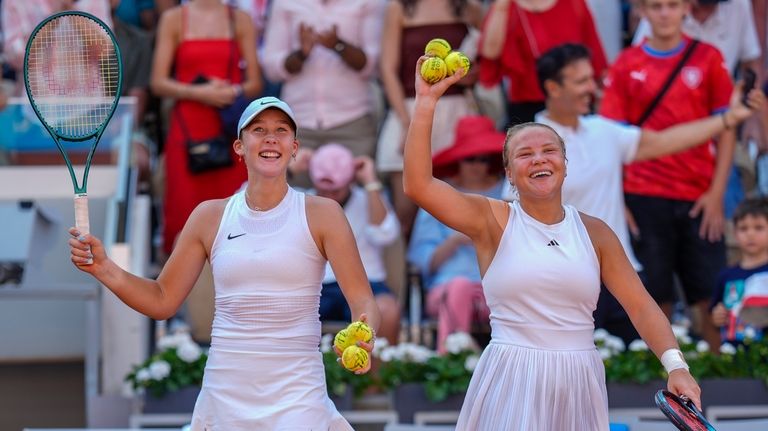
668	83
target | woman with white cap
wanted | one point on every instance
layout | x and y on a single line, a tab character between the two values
267	245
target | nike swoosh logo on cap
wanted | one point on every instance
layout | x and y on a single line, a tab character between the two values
267	102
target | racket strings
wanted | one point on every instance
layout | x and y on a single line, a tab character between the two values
73	75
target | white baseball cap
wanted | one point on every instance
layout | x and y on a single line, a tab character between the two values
258	106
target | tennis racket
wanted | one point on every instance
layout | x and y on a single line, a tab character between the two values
73	78
682	412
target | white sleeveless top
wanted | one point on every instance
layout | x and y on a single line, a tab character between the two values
268	271
542	285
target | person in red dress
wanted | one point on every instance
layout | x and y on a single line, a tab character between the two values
517	32
197	47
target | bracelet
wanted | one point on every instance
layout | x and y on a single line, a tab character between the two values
373	187
725	123
672	360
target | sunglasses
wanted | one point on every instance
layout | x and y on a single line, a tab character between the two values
477	159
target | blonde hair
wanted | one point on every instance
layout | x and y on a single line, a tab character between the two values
516	129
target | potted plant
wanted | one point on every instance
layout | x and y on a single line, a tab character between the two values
343	385
422	380
170	379
735	375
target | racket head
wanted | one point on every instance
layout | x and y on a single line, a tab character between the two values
681	412
72	75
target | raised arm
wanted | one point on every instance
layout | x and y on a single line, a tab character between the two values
158	299
680	137
463	212
622	281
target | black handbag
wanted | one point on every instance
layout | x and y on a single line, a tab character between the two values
205	155
230	114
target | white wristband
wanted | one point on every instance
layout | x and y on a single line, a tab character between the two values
673	359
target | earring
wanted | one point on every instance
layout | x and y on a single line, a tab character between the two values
240	158
294	156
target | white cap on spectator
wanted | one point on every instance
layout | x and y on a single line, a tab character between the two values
258	106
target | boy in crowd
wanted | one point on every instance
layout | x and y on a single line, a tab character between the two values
751	232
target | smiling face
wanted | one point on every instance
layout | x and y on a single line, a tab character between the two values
574	93
535	160
267	143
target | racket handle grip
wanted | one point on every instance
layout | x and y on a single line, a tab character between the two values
82	222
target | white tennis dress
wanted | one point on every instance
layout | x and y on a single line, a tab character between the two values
265	370
541	370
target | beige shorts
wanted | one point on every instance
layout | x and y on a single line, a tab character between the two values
389	154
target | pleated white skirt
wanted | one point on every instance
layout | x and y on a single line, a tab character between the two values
517	388
265	391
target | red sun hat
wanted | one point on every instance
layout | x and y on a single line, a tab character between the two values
476	135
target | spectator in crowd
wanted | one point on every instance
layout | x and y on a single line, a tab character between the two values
715	22
136	52
408	26
447	258
675	200
19	19
517	32
751	232
202	42
334	171
138	13
729	26
325	54
598	148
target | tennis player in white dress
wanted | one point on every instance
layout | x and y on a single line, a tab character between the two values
267	246
542	264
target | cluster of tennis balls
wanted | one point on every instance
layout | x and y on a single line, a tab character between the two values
353	357
442	61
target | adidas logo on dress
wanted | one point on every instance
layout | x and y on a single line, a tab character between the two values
553	243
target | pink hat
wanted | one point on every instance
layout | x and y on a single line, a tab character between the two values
332	167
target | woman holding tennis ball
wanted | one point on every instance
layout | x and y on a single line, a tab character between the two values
268	246
542	263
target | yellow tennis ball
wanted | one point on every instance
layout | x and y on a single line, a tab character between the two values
433	69
354	358
437	47
456	60
342	340
360	331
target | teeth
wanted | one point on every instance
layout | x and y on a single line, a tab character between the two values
269	154
541	174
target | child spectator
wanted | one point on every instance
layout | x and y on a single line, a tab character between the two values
751	232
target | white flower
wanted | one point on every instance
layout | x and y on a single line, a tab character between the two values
326	342
702	346
174	340
605	353
387	354
616	344
380	344
638	346
680	331
159	370
189	352
458	342
143	375
471	362
600	334
727	349
749	333
685	339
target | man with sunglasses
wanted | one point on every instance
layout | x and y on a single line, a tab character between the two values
597	148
